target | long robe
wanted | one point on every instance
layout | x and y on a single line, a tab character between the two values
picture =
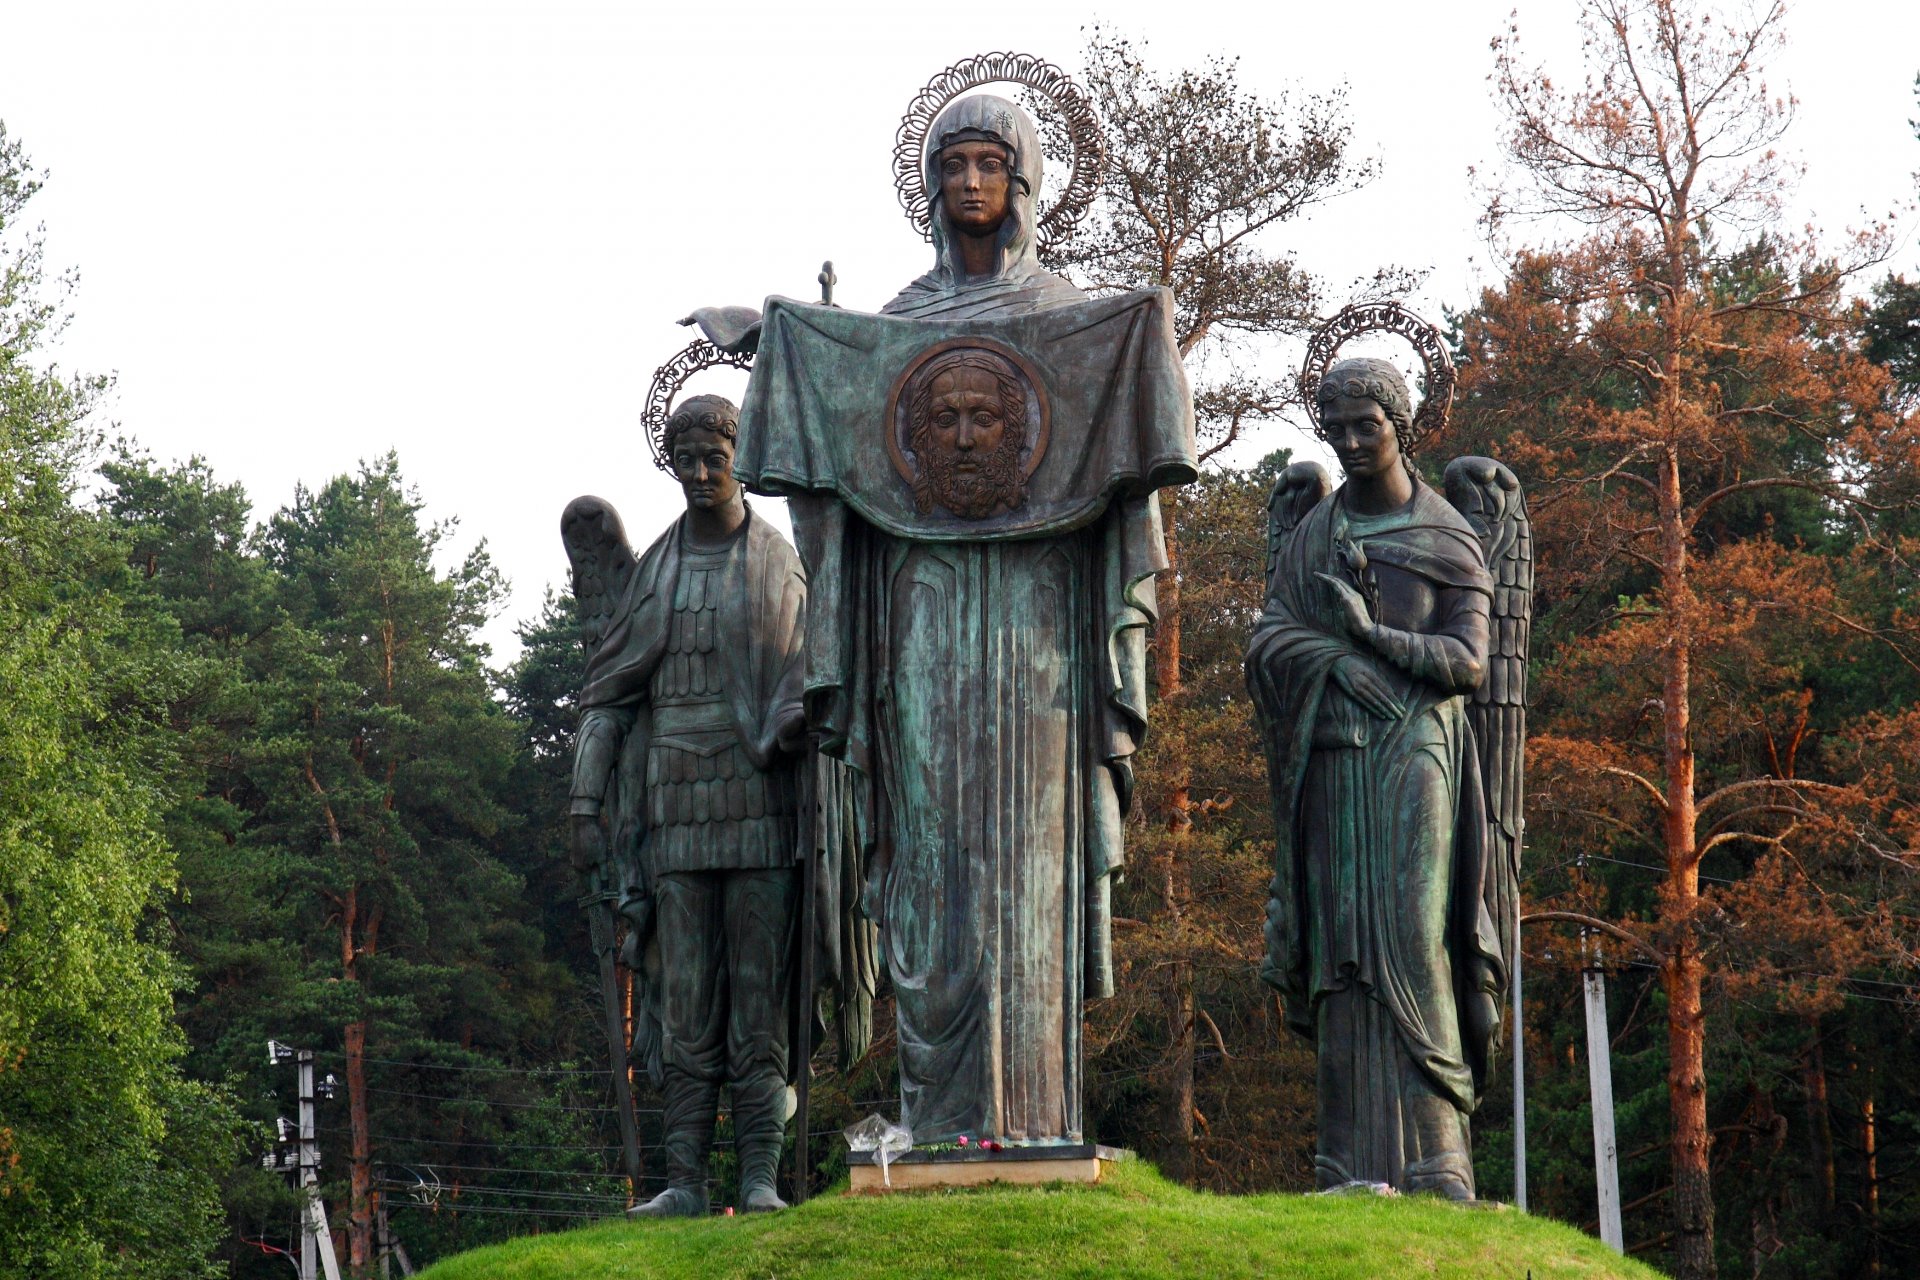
1378	932
986	678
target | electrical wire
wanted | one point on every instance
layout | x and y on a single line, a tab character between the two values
503	1210
1909	1001
482	1189
479	1142
499	1168
337	1055
488	1102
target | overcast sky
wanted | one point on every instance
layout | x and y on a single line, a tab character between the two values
309	233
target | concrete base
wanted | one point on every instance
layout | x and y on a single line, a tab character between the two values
972	1167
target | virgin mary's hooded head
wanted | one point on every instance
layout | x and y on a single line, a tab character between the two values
984	117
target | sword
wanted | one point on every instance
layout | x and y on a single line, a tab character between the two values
599	904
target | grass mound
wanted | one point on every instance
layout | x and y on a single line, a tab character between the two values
1135	1224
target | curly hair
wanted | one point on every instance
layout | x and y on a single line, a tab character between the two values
712	413
1367	378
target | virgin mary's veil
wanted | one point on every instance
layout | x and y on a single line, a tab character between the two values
1017	283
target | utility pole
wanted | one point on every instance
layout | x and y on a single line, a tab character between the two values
316	1240
1519	1075
1606	1153
390	1246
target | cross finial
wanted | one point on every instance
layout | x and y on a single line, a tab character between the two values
827	281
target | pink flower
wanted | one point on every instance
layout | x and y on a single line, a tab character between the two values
962	1140
729	1211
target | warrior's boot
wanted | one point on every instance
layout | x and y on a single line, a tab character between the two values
689	1109
759	1133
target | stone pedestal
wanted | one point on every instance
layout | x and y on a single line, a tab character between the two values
972	1167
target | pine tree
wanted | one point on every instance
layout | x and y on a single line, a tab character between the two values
1687	403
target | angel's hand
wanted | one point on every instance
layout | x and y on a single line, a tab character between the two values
589	844
1367	687
1351	604
639	911
790	730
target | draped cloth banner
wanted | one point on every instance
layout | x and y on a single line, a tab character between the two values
1106	412
975	498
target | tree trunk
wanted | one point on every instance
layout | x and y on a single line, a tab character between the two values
1819	1120
1178	1123
1687	1099
1870	1147
1179	1115
360	1178
1166	633
1686	1030
358	939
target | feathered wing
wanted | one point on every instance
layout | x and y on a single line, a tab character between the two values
602	562
1298	490
1488	494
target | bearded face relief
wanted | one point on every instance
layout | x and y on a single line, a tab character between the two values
967	431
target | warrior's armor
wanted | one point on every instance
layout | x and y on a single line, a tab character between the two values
699	662
708	807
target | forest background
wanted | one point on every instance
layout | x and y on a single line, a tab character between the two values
262	779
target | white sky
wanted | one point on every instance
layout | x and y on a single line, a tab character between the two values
311	232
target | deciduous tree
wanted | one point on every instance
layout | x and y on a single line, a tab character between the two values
1682	390
108	1157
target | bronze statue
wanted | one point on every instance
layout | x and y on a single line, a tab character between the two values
690	748
972	477
966	423
1388	674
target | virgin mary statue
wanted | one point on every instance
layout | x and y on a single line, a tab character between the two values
972	477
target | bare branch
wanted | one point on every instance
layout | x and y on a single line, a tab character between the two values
1659	797
1598	925
1756	784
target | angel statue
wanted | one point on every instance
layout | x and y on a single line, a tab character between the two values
1388	674
692	797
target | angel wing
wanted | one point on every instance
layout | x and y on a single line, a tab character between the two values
602	562
1488	494
1297	491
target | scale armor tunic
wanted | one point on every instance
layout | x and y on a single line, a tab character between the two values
708	807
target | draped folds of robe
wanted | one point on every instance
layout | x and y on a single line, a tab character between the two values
985	678
1378	931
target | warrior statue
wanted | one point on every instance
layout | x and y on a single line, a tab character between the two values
690	747
1388	673
972	477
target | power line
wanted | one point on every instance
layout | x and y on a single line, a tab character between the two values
1623	862
479	1142
482	1189
437	1066
1909	1001
487	1102
498	1168
504	1210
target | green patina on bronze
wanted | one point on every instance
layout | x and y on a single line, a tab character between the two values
690	804
972	478
1387	672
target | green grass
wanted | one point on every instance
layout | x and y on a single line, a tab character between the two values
1135	1224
